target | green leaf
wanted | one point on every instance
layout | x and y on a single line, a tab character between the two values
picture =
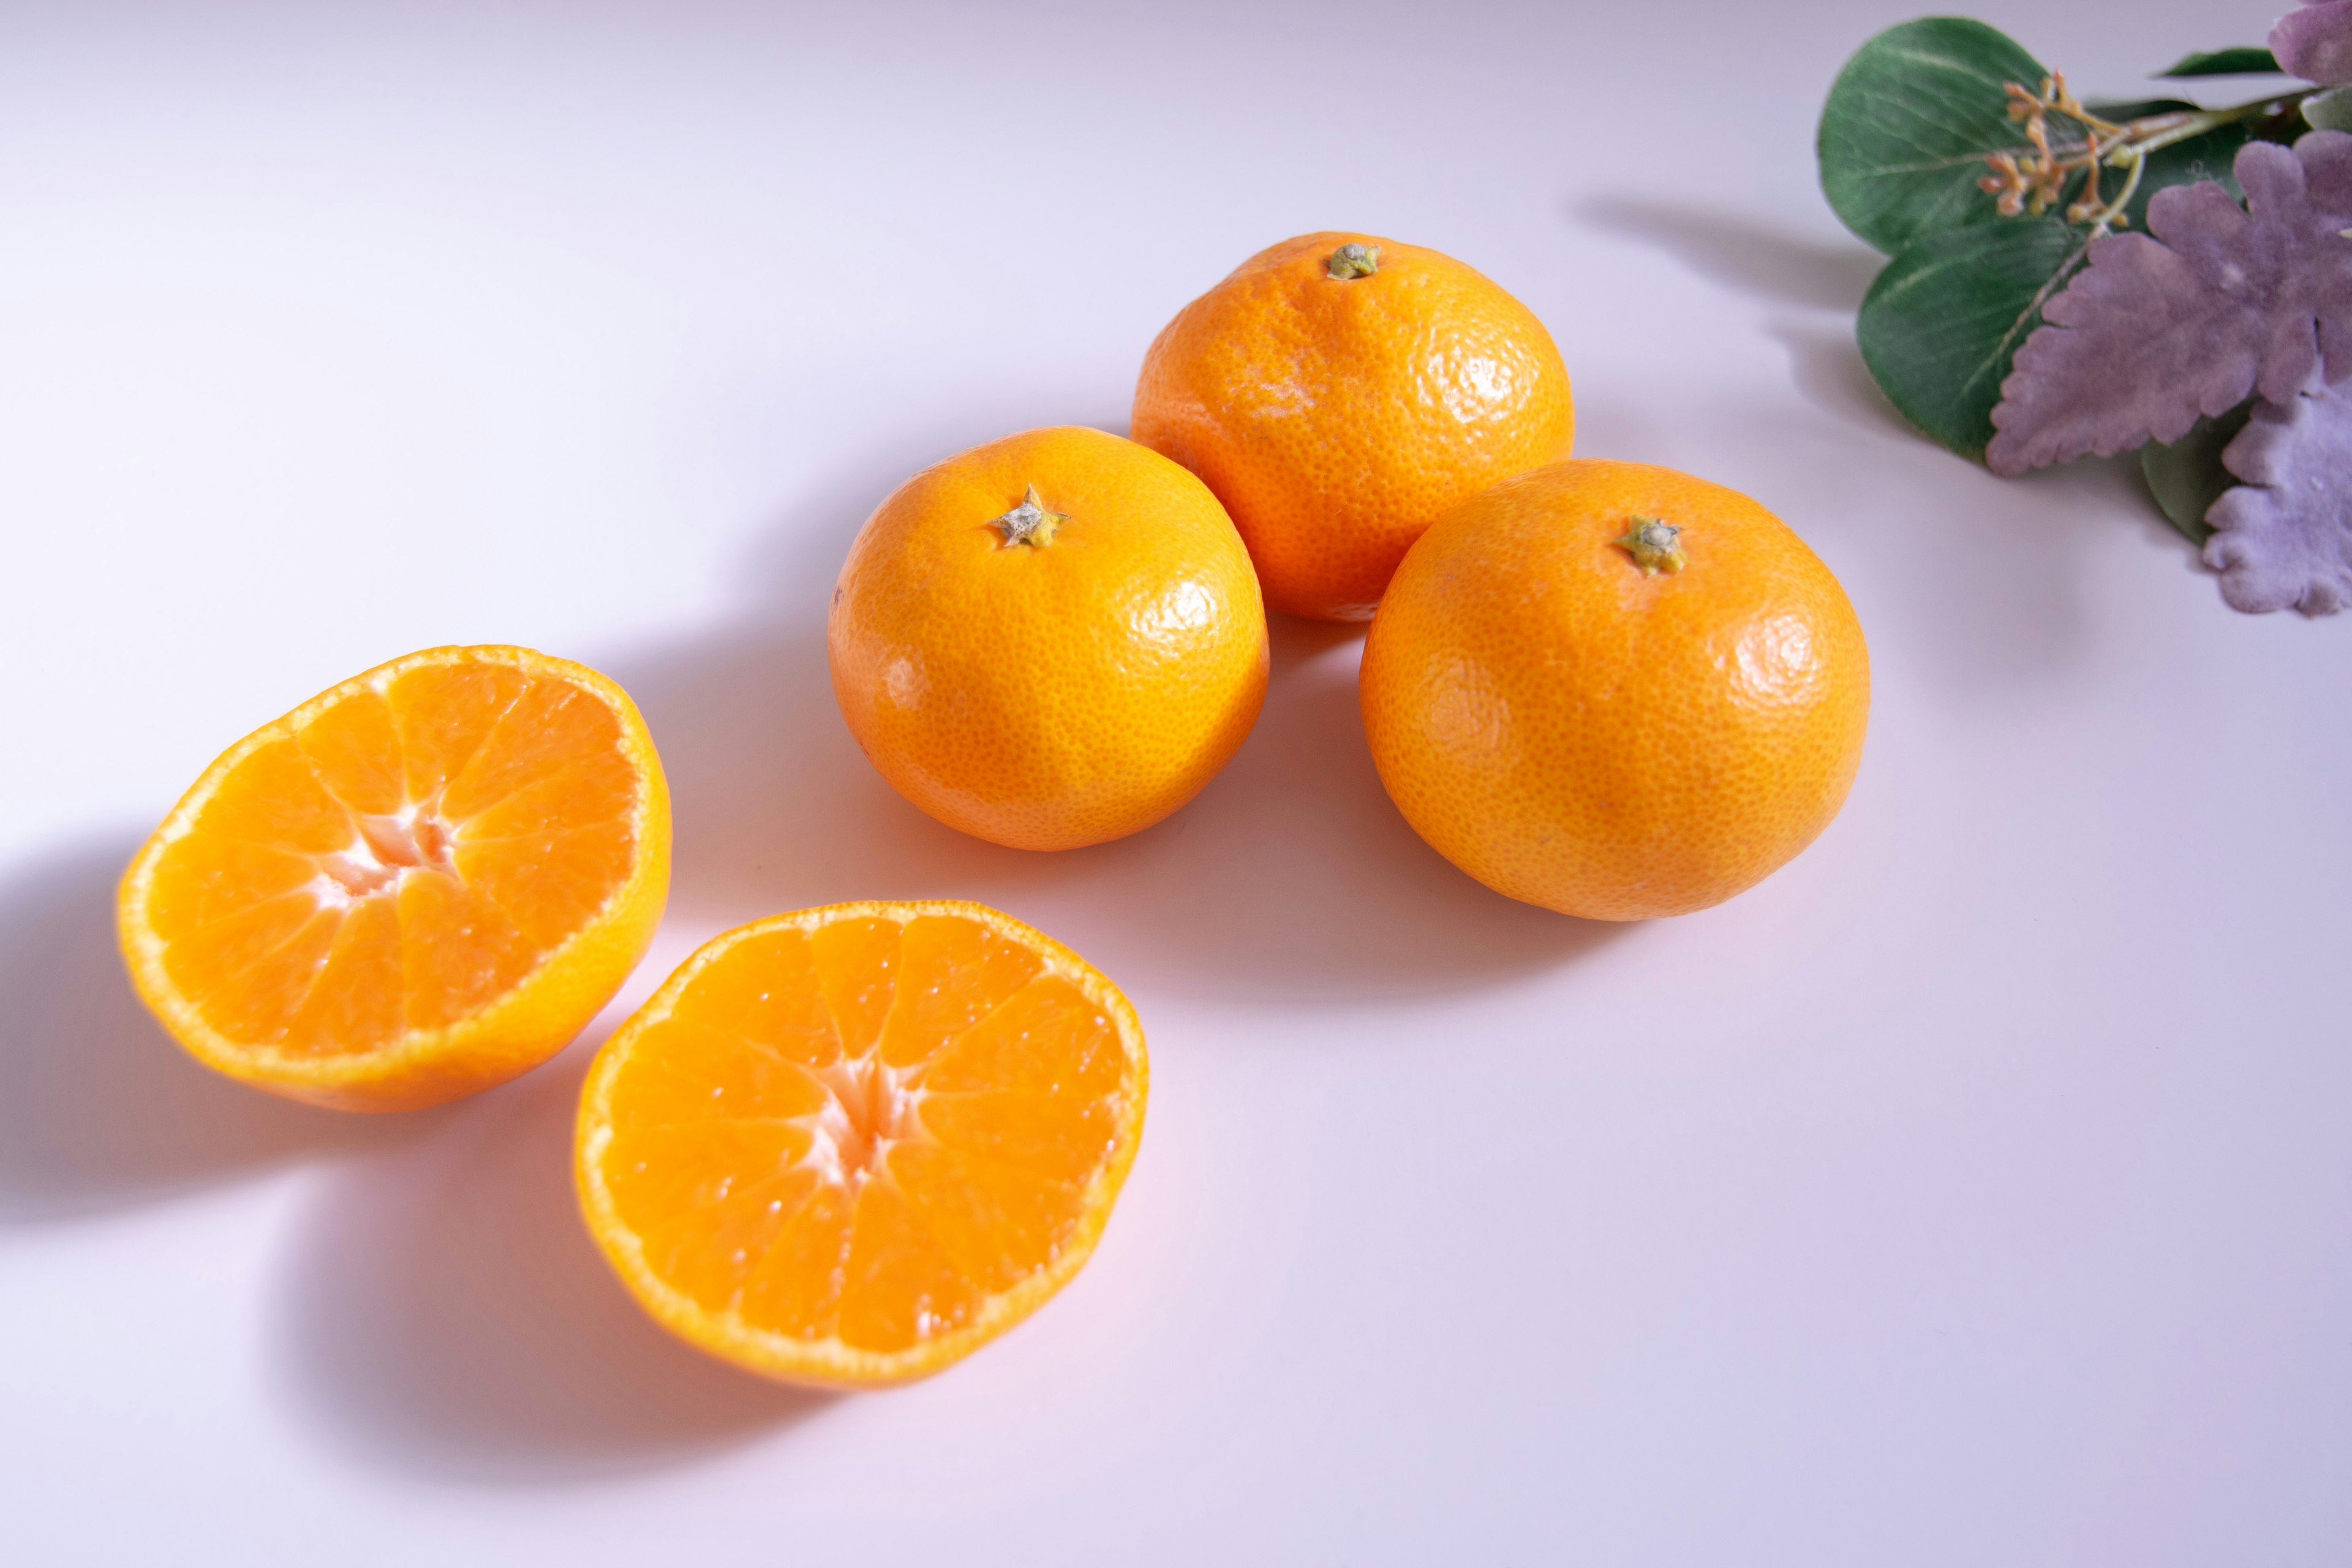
2329	111
2225	62
1909	122
2186	477
1942	322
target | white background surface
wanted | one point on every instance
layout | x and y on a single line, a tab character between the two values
1978	1190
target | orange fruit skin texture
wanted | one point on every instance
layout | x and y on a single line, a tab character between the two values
1576	734
848	1146
1338	419
1049	696
416	885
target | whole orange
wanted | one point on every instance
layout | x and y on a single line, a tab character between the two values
1050	640
1615	691
1340	392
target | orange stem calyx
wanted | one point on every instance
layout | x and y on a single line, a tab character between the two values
1653	545
1029	523
1353	259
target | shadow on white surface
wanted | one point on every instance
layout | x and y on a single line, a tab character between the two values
99	1109
1826	368
1817	288
1751	258
445	1314
1291	875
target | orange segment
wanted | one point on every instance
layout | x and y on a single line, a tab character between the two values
849	1146
355	753
964	971
792	1292
414	885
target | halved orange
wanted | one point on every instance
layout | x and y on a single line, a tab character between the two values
414	885
848	1146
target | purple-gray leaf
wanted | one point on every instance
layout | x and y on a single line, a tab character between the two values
2217	302
2316	43
2284	539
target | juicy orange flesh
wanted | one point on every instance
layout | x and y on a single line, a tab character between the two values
864	1131
399	861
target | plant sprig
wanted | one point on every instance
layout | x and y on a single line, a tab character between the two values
2015	325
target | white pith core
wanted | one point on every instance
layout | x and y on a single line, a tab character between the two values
868	1109
383	851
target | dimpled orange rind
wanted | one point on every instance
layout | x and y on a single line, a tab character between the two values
1610	742
1337	417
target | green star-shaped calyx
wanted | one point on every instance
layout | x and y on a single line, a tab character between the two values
1652	546
1353	259
1029	523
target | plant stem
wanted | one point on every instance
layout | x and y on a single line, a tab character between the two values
2180	124
2141	137
2033	178
2106	217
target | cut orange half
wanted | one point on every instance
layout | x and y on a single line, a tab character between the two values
849	1146
412	887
